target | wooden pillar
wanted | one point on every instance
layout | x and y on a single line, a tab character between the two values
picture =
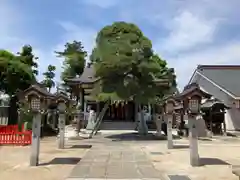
224	125
82	97
211	125
85	109
98	108
153	113
136	111
126	111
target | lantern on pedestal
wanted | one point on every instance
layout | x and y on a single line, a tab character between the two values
61	122
169	109
191	98
37	98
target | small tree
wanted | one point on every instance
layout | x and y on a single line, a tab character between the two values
74	61
125	62
15	73
48	77
27	57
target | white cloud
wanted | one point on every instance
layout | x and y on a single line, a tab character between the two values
191	24
188	31
193	40
73	32
185	64
101	3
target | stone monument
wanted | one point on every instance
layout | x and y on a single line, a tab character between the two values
91	120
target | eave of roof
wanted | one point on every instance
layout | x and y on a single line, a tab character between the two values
223	87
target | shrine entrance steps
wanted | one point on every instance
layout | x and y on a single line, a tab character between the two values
118	125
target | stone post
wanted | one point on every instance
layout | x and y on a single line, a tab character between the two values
169	131
54	119
142	126
49	116
85	110
61	122
78	121
36	131
158	120
91	120
193	140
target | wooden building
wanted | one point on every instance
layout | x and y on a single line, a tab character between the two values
119	111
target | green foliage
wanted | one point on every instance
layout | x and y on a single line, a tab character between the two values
164	73
49	76
17	72
74	62
27	57
14	74
26	115
125	62
74	59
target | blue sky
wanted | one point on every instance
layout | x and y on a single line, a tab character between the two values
184	32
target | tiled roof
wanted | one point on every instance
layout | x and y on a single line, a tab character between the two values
189	89
40	89
88	76
212	102
227	77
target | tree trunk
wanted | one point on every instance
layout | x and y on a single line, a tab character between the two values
99	119
77	99
12	111
143	128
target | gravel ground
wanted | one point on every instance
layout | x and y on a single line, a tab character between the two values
55	164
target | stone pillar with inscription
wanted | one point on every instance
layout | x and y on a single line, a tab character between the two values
159	120
35	147
61	122
91	120
169	131
193	140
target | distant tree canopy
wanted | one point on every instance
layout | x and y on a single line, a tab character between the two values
17	71
49	77
74	61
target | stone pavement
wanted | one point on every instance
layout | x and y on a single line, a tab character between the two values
115	160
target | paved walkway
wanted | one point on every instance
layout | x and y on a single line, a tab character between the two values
114	160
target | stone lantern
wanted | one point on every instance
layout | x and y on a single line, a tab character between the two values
37	99
63	102
168	110
191	98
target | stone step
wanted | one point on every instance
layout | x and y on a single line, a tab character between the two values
119	125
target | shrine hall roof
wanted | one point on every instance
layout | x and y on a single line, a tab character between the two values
88	76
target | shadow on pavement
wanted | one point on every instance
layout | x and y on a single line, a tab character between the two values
81	146
231	134
62	161
178	177
136	137
212	161
180	146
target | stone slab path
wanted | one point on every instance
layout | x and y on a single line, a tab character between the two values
115	161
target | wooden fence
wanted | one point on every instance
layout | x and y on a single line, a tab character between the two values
10	135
